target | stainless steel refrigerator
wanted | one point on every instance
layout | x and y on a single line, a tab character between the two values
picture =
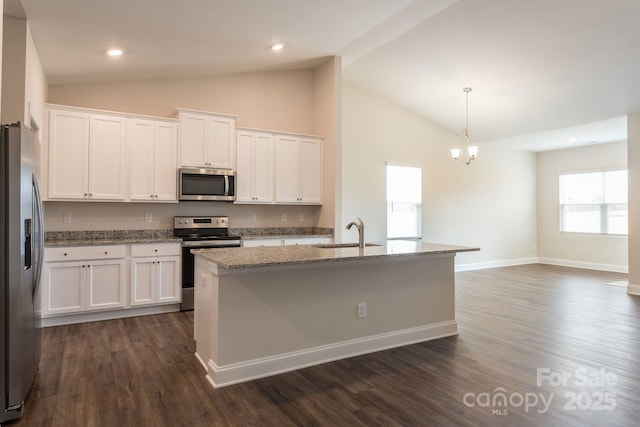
21	250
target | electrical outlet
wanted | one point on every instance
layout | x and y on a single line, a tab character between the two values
362	310
148	217
253	217
301	217
203	280
284	217
66	217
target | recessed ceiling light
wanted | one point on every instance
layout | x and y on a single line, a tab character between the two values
114	52
277	47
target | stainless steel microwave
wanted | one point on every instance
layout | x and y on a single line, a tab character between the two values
206	184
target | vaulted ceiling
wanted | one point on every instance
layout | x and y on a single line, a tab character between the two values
541	71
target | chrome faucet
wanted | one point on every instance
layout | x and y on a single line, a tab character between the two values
360	226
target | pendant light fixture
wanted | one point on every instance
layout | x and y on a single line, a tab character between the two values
467	152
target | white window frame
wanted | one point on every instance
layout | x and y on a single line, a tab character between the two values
417	206
601	206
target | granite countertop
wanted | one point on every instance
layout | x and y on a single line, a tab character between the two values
280	232
111	237
123	237
288	255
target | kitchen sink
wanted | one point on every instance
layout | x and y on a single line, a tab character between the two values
343	245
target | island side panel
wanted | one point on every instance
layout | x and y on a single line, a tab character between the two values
205	318
268	313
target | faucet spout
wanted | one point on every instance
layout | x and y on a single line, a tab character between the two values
359	224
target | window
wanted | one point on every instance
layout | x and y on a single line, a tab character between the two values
594	202
404	201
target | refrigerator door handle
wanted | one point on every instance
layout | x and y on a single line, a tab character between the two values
39	235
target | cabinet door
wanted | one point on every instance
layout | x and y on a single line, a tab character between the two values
63	287
311	171
165	172
143	290
140	144
107	158
287	170
105	284
244	170
192	140
68	155
168	279
221	143
263	168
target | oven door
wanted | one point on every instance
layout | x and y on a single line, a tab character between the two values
188	265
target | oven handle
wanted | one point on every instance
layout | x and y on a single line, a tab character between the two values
210	244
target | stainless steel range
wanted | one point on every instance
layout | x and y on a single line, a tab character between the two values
202	232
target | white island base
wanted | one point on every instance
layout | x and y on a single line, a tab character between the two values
258	321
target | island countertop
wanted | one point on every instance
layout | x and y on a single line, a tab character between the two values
232	258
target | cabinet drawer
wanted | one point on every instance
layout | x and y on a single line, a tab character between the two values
307	241
85	252
257	243
156	249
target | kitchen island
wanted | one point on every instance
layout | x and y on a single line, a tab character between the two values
268	310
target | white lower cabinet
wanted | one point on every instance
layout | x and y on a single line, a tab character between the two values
71	284
155	279
258	243
288	241
85	279
316	240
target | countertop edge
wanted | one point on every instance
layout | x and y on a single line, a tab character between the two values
335	259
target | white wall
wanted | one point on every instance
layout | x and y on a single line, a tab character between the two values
13	69
278	100
326	121
595	251
490	204
35	83
633	165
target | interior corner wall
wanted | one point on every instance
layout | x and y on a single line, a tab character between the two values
14	32
633	166
326	121
490	204
595	251
35	83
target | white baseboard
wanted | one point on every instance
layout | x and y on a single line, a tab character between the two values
550	261
585	265
202	362
494	264
633	289
220	376
70	319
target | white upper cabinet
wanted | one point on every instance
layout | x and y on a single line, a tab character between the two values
68	145
153	147
207	139
86	156
298	166
254	173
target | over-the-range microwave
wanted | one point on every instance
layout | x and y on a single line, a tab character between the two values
206	184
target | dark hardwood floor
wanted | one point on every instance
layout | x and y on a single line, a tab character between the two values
513	322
